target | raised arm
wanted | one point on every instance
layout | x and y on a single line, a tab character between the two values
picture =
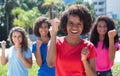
4	58
51	54
38	53
112	49
89	65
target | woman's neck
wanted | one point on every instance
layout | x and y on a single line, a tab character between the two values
17	47
101	37
45	39
73	41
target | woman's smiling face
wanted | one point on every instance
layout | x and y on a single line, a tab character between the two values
102	28
74	26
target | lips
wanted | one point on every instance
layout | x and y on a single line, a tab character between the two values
43	32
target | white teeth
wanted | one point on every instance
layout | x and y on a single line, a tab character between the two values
74	31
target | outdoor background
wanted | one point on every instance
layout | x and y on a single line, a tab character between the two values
23	13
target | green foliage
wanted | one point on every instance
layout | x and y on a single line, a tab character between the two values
59	8
34	70
50	1
92	11
118	27
3	70
89	6
17	11
24	12
53	5
117	23
116	69
24	18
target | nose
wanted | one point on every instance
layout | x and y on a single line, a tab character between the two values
75	26
17	38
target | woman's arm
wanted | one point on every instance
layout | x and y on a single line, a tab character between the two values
88	65
37	54
4	59
51	54
112	49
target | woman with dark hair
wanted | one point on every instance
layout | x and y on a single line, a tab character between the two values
39	47
105	38
72	55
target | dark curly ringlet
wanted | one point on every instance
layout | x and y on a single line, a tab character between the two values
77	10
38	23
24	44
94	37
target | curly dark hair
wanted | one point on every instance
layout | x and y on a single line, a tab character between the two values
94	36
77	10
25	39
38	23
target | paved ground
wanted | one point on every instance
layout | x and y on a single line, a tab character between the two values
117	57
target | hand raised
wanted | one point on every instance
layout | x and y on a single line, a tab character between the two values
84	53
38	44
3	44
112	33
55	24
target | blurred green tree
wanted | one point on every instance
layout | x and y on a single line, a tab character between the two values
24	18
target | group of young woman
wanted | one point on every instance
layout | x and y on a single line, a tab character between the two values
68	55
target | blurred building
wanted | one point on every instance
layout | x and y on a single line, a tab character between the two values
100	7
107	7
113	8
2	2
